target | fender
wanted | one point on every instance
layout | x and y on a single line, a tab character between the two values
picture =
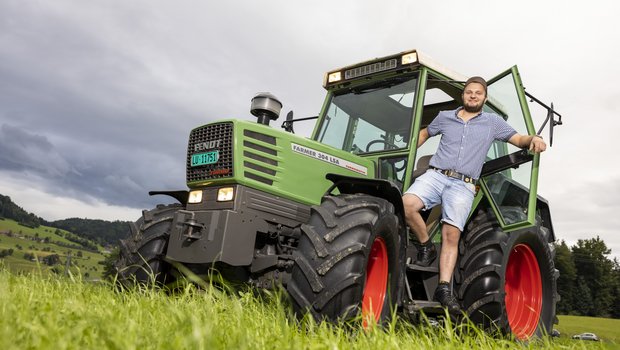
180	196
374	187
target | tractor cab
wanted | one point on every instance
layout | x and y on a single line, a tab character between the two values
376	109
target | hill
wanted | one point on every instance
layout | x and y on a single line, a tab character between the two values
47	250
30	243
10	210
102	232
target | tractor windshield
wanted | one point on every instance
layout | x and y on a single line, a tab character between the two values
370	117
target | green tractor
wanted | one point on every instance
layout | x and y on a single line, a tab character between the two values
323	216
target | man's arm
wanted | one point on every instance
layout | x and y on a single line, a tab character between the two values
422	137
535	143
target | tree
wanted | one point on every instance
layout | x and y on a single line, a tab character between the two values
615	310
568	275
29	256
6	252
595	269
51	260
109	268
583	303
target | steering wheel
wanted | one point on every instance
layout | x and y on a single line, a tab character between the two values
389	145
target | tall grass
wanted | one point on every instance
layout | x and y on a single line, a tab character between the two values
47	312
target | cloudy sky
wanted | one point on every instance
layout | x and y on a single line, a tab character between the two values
97	97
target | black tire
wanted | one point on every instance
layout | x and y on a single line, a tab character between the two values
507	281
141	255
329	278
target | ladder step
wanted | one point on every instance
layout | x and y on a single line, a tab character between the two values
415	267
429	307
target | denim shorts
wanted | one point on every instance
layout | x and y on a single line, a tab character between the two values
456	196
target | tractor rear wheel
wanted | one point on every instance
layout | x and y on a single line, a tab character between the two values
141	256
348	261
507	281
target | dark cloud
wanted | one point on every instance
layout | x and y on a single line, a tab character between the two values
113	175
23	151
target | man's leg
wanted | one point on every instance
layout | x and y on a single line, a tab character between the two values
426	249
449	251
457	200
413	205
425	192
447	260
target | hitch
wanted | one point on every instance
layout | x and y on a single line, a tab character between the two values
186	221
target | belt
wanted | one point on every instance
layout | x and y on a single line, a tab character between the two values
456	175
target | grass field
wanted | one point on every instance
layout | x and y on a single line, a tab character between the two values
39	312
606	329
41	242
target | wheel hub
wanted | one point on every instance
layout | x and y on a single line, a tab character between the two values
523	291
376	282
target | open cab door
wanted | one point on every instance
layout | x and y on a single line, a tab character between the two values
509	177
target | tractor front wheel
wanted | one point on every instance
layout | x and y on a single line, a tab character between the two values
348	261
141	256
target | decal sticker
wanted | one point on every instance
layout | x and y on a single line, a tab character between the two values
312	153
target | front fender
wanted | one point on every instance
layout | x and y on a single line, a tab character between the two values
374	187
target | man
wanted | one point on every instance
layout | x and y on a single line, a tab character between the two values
467	134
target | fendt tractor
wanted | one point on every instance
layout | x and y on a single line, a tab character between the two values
323	216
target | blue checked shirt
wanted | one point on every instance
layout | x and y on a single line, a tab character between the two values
464	145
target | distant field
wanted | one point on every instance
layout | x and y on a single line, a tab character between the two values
43	241
607	329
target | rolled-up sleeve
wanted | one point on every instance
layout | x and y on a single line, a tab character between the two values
434	127
502	130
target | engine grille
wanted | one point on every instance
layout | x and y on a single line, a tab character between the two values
224	166
253	160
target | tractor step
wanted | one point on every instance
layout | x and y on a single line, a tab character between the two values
429	307
414	267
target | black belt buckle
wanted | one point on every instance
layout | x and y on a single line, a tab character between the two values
456	175
453	174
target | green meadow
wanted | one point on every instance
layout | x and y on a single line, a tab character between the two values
30	245
43	311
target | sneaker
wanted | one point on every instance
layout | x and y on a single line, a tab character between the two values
444	296
426	253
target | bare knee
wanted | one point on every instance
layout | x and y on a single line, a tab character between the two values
412	204
450	234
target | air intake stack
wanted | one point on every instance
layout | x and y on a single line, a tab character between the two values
265	107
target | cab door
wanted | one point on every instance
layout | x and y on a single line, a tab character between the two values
509	177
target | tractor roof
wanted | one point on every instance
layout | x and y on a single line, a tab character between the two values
411	58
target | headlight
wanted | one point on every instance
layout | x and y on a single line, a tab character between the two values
334	77
225	194
195	197
409	58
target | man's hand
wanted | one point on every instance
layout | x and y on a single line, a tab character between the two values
537	144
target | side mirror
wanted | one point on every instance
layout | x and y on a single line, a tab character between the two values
288	124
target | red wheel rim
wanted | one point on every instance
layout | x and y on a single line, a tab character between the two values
523	291
376	282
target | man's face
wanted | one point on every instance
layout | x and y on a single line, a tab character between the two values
474	97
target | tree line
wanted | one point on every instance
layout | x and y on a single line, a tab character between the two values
10	210
101	231
589	282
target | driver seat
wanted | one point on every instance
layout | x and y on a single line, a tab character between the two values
421	166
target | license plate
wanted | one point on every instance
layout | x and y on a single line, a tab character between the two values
205	158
